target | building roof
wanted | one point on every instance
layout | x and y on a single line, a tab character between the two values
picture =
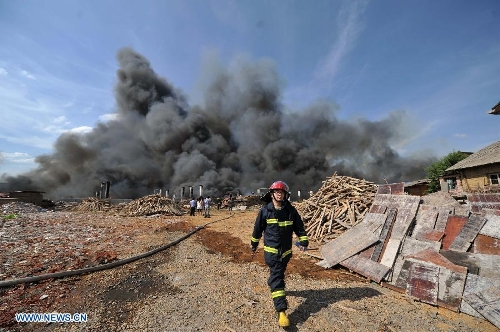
495	109
485	156
417	182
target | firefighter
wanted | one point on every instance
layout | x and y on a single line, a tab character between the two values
278	220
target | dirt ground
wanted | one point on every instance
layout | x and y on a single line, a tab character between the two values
128	298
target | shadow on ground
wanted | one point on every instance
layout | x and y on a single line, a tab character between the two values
316	300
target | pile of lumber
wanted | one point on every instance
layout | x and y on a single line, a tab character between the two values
149	205
338	205
92	204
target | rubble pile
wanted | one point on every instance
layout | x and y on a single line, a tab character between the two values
338	205
19	207
149	205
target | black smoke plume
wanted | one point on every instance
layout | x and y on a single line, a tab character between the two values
242	138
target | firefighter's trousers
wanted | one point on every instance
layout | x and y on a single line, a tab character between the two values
277	267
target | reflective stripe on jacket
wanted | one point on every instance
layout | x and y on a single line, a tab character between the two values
278	227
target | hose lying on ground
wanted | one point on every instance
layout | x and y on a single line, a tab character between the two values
13	282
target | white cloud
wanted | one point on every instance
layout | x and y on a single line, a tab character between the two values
3	72
81	130
349	26
27	74
18	157
61	119
460	135
108	117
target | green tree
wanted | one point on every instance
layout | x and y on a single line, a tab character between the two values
435	170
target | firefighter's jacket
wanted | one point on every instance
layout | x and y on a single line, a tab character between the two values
278	226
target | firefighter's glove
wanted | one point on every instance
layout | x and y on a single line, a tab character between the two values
254	246
302	245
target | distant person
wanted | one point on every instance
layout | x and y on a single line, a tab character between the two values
192	206
278	220
230	203
206	206
219	203
199	205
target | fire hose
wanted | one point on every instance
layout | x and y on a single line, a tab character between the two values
13	282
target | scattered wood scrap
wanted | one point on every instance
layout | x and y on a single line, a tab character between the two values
92	204
149	205
338	205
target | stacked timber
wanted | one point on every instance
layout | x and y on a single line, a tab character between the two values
338	205
149	205
92	204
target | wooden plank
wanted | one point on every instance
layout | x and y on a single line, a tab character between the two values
491	227
442	219
376	218
425	220
486	245
391	188
390	253
451	278
476	284
354	240
453	228
378	208
451	287
480	264
401	280
404	219
366	267
480	202
470	230
487	303
431	235
383	237
422	282
410	246
430	255
384	189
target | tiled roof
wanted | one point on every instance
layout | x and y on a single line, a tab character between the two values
487	155
417	182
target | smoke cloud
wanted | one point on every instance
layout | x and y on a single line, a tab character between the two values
241	138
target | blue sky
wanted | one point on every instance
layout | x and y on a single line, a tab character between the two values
437	60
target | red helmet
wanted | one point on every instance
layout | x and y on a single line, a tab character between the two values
279	185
